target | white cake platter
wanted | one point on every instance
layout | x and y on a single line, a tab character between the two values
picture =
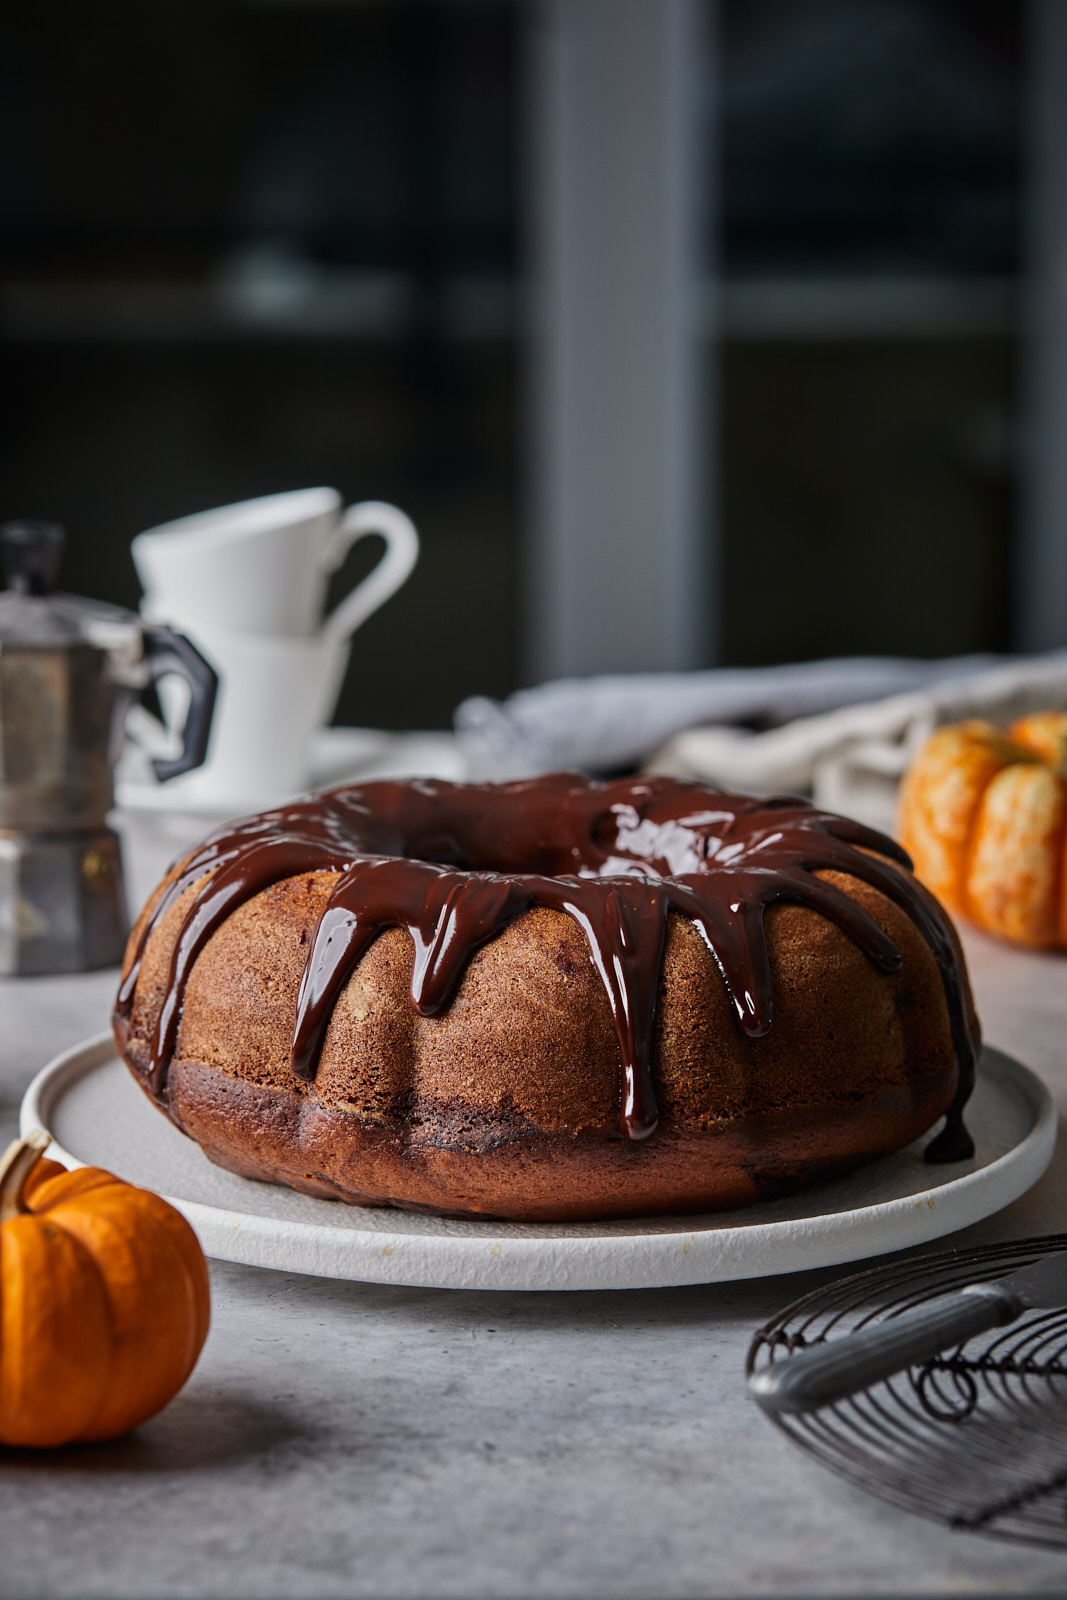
97	1116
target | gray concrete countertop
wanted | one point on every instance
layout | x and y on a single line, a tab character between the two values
347	1439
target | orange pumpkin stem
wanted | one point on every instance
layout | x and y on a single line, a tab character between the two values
16	1164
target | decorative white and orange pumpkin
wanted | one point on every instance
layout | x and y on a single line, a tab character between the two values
983	815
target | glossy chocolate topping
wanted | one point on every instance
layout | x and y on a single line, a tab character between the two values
455	863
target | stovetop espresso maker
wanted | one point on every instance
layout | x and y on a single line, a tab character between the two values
69	668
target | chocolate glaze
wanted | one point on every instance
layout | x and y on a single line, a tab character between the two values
455	863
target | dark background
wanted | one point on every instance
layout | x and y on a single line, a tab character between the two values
253	247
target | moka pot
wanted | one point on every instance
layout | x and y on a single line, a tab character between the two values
69	668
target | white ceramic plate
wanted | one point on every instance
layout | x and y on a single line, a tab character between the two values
98	1116
337	755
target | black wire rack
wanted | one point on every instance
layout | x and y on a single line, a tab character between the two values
977	1437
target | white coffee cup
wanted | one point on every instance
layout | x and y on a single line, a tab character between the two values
262	566
275	692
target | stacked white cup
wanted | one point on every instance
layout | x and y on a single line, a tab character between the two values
247	583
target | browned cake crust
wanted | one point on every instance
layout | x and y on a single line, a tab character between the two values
507	1103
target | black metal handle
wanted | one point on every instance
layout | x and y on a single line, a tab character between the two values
838	1368
168	652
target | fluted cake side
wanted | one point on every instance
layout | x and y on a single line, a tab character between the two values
553	1000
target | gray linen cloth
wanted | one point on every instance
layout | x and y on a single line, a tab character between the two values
841	731
601	724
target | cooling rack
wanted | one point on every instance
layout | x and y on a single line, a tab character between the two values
977	1437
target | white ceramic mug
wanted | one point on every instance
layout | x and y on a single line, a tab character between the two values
262	566
275	692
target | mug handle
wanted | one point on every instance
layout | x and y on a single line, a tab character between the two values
401	554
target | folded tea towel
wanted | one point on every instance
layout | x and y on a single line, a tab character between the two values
851	759
602	724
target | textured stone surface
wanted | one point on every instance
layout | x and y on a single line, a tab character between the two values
342	1439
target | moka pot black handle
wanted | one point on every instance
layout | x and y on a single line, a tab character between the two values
168	653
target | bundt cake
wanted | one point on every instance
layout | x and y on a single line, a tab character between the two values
548	1000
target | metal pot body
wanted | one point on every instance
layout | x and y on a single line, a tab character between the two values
61	723
62	902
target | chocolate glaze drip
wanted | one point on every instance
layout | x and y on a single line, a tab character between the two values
455	863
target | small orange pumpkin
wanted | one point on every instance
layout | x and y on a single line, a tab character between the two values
983	815
104	1301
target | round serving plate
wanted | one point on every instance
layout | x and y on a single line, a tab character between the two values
97	1116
